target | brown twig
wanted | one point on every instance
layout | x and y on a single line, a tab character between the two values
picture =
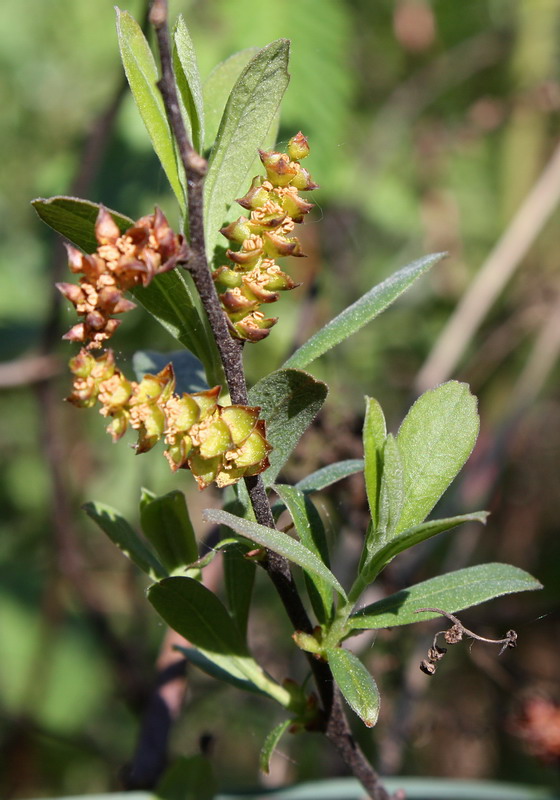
337	729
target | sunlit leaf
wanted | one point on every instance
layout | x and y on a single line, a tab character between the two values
188	83
361	312
452	592
142	76
356	684
375	432
276	541
435	439
249	113
217	88
311	532
415	535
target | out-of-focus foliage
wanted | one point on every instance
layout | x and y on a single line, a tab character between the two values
429	125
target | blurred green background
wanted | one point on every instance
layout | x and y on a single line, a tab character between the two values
430	125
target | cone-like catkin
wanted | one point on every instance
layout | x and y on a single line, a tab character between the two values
217	443
276	207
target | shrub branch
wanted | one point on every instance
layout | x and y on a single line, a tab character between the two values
335	725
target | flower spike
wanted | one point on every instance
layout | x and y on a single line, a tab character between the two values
275	208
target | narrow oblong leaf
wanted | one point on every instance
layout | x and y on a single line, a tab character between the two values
276	541
223	668
167	526
311	532
217	88
356	684
391	494
121	533
249	113
142	75
361	312
435	439
197	614
271	743
415	535
75	219
374	435
452	592
239	577
289	401
333	473
187	76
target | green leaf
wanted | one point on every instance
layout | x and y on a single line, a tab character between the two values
222	668
217	88
452	592
197	614
391	494
435	439
75	219
375	433
311	532
415	535
172	300
121	533
200	617
356	684
250	111
188	370
361	312
239	575
167	526
289	401
326	476
188	83
187	779
276	541
271	743
142	75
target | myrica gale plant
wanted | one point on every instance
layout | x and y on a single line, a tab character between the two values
213	306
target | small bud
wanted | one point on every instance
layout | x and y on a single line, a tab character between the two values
237	231
254	327
298	147
303	181
106	229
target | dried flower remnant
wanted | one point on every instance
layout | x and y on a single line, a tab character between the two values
455	634
121	262
217	443
276	206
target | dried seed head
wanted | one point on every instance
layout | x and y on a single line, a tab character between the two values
428	667
453	635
